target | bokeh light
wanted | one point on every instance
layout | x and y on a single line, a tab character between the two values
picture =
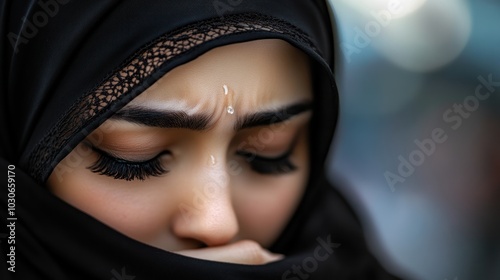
428	39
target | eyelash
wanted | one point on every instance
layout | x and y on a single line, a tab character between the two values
269	166
129	170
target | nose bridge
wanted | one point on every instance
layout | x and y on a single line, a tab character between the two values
207	213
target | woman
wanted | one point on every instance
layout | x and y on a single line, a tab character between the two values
175	140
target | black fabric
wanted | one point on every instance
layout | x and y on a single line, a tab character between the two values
51	68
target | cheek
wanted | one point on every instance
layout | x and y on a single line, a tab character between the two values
263	214
141	212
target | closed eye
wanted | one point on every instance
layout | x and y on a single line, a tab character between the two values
269	165
123	169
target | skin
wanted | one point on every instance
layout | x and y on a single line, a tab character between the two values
211	204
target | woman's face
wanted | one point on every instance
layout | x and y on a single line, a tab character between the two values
212	154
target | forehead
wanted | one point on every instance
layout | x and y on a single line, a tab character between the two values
262	73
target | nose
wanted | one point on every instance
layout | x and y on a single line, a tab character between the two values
206	213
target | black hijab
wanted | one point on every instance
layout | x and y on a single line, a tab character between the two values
67	66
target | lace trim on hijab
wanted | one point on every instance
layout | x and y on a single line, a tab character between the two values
140	66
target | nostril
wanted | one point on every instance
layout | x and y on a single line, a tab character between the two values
195	244
187	243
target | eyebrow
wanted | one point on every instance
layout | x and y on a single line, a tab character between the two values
163	119
273	116
179	119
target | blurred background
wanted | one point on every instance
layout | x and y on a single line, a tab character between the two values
418	143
